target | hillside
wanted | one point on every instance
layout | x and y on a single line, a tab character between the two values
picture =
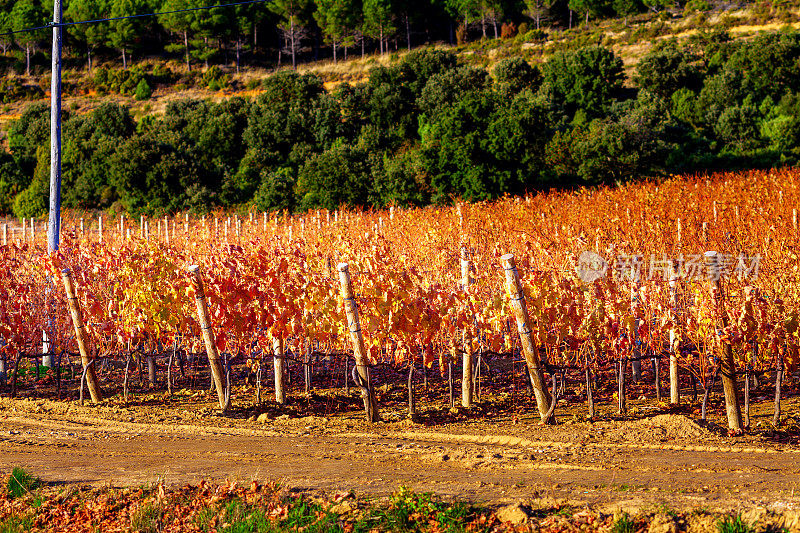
602	104
630	40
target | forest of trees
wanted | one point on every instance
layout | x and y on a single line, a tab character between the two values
277	31
426	130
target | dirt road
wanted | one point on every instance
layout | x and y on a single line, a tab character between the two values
664	460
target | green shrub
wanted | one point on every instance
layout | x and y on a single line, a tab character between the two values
13	90
143	90
214	79
21	483
514	75
624	524
147	519
693	6
733	524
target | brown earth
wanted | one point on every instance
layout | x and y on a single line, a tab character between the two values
659	460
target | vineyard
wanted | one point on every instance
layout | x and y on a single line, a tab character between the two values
585	291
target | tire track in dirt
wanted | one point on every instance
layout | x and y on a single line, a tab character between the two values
79	448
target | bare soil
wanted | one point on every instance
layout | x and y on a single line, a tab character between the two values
655	458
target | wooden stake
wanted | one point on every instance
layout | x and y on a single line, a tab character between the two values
466	274
727	367
466	367
280	367
466	374
208	336
5	234
80	336
520	308
100	229
674	339
359	351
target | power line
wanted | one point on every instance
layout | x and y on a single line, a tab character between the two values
94	21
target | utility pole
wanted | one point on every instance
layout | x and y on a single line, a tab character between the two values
54	220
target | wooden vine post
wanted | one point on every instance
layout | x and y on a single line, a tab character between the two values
466	367
280	367
520	309
359	351
208	336
674	339
80	336
727	367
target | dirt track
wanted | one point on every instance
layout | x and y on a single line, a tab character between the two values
665	460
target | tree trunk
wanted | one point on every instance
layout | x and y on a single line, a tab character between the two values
27	60
380	41
291	36
334	51
186	47
124	59
238	54
89	58
408	33
483	23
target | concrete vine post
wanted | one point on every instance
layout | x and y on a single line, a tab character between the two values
204	318
80	336
520	309
727	367
359	351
